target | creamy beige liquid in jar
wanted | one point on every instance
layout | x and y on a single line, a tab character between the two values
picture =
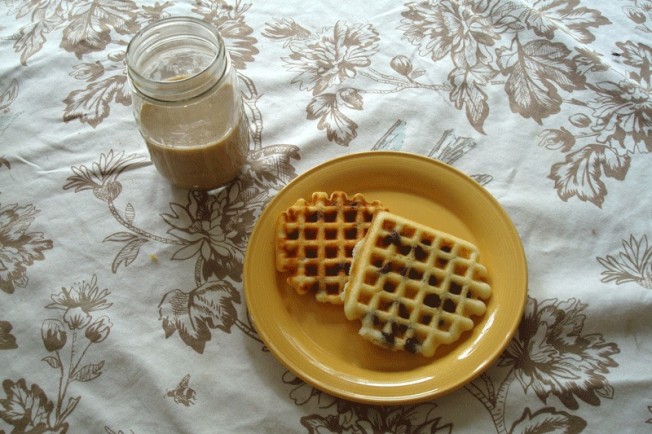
187	103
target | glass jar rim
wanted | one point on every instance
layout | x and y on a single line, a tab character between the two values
168	90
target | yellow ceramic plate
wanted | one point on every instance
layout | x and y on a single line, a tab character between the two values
317	343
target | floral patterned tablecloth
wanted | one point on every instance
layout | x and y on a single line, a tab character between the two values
121	302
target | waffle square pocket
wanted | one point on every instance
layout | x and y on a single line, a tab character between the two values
414	288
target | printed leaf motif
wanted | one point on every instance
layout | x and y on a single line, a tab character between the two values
91	22
72	403
547	16
633	264
102	176
467	92
588	60
30	40
339	128
9	95
194	313
121	237
548	420
27	410
580	175
88	372
557	139
18	247
286	30
639	56
130	213
349	97
272	164
7	340
535	70
128	253
52	361
92	105
229	21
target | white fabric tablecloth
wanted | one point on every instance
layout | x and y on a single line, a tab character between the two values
107	323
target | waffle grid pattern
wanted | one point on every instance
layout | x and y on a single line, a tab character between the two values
413	287
315	241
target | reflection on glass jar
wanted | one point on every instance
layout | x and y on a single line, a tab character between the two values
187	102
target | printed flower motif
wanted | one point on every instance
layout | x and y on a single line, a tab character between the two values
360	419
99	330
557	139
79	301
18	248
214	228
333	55
230	21
102	176
53	334
641	14
450	27
623	109
551	356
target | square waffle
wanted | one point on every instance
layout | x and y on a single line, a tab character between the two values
315	240
413	287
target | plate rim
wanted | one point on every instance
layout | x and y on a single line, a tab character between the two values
376	398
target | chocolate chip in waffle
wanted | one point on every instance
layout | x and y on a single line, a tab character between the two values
413	287
315	240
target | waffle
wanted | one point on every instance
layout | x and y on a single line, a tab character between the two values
413	287
315	240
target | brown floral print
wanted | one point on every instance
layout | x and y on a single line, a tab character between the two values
324	60
614	126
546	17
548	340
469	32
331	56
229	19
488	44
640	12
632	264
7	340
79	302
111	23
7	97
67	340
213	229
348	417
195	313
551	357
18	247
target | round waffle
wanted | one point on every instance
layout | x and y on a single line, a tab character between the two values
315	241
413	287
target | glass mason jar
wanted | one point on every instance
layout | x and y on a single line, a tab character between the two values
187	102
